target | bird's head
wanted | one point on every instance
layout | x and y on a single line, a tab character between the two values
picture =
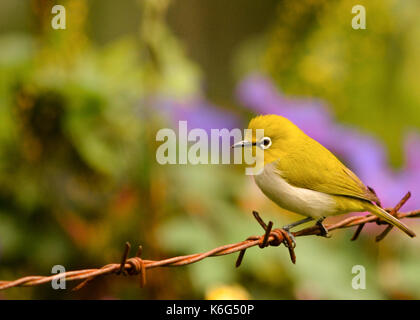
280	135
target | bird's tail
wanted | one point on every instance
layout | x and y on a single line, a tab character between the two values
381	213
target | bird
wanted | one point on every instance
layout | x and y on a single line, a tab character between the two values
302	176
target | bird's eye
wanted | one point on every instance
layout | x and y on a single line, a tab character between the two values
265	143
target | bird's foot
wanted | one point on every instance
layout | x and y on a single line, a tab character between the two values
291	236
324	231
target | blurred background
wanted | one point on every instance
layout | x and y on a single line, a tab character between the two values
80	109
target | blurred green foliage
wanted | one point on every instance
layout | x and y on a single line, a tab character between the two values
78	175
368	76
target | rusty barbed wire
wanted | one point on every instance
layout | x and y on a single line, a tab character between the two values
271	237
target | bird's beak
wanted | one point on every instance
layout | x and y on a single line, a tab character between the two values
242	144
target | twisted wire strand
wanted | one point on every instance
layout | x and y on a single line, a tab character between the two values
272	237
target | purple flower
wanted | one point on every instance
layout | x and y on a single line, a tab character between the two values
197	112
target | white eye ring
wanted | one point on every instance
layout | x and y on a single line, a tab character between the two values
265	143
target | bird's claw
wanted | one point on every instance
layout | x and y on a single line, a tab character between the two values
324	231
292	238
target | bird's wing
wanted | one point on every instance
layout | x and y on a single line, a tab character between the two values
313	167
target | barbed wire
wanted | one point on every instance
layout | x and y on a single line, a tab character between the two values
271	237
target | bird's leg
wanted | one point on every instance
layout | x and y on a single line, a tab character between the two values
324	232
294	224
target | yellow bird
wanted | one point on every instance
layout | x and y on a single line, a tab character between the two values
302	176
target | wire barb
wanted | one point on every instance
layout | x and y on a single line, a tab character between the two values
271	237
124	259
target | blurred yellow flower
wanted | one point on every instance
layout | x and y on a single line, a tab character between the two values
227	292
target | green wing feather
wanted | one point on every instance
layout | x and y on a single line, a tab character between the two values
311	166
